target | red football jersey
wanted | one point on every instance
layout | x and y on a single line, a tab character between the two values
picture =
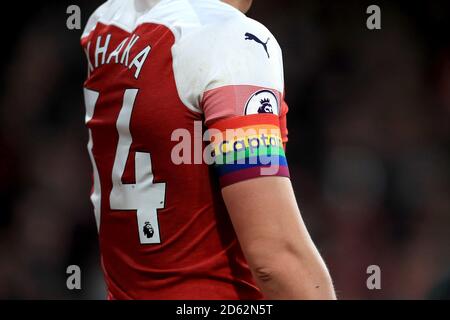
164	231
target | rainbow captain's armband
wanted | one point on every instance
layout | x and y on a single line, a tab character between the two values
247	147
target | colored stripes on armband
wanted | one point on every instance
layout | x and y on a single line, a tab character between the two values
248	147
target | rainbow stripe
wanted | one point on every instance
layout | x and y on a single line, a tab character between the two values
247	147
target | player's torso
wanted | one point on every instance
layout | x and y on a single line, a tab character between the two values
164	232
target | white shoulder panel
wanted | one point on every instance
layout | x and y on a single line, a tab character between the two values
234	51
216	45
128	14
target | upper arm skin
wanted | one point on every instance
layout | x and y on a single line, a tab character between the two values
264	212
275	241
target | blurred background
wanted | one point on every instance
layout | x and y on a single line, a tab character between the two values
369	145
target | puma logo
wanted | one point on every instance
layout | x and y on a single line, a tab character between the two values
249	36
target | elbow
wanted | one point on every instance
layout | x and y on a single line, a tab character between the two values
294	273
264	274
270	262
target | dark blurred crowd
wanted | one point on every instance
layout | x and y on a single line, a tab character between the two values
368	151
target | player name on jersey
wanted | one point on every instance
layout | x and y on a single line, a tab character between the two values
103	54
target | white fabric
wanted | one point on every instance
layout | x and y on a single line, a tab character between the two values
210	49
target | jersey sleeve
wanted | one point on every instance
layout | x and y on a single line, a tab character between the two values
238	85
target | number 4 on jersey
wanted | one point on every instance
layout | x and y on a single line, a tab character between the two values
144	196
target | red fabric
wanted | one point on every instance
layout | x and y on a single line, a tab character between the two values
250	173
283	121
229	101
237	122
199	256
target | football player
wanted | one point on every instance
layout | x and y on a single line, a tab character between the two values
171	229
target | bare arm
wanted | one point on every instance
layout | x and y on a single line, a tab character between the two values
283	259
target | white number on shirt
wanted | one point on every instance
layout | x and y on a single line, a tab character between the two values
144	196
